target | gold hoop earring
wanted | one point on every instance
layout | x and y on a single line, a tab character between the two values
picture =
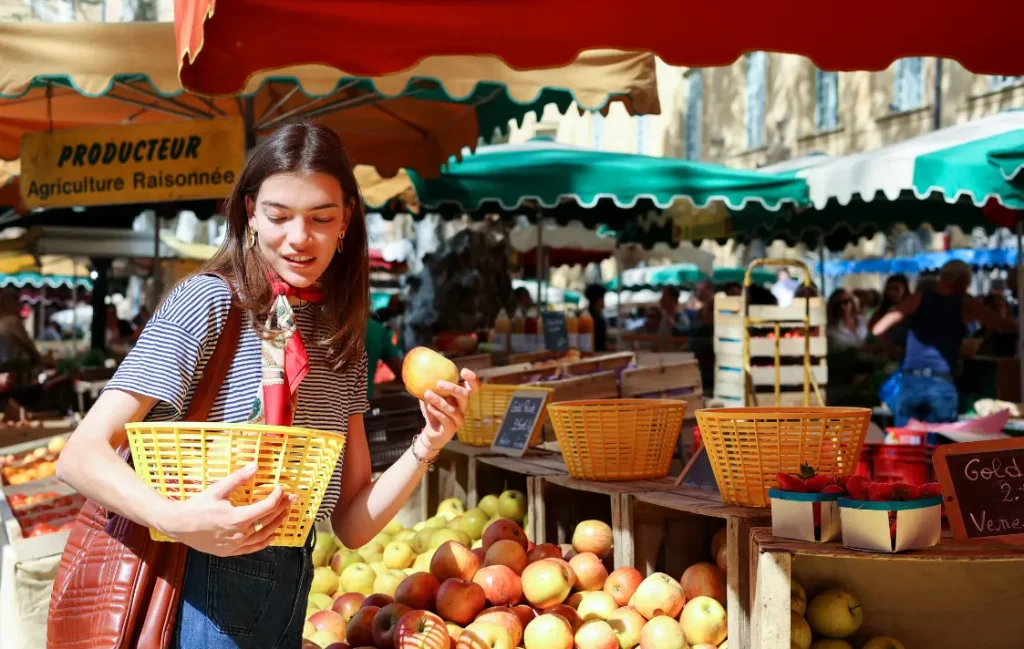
341	244
251	232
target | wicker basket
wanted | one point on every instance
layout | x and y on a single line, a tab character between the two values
617	439
486	411
179	460
747	447
391	423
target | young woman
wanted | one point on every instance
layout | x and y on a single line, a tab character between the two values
296	252
845	329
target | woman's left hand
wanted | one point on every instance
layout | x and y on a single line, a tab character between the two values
445	415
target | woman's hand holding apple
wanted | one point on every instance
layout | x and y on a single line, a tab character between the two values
445	414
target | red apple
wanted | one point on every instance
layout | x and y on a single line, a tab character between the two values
589	570
460	601
596	634
704	579
567	612
593	536
480	554
622	583
627	623
719	541
547	582
662	632
378	600
506	619
657	595
502	587
330	621
385	622
418	591
423	368
453	560
348	604
484	635
420	629
507	553
525	613
359	630
544	551
568	566
548	632
504	529
722	559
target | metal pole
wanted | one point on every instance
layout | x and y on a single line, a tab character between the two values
1020	302
937	104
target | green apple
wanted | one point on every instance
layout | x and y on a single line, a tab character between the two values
489	505
358	578
370	549
319	601
512	505
398	555
382	538
422	540
323	548
375	558
394	527
440	537
437	523
835	614
450	508
351	559
472	523
422	525
406	535
387	583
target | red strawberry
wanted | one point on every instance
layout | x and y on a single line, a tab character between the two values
931	490
855	486
901	491
817	483
880	491
833	489
841	481
790	483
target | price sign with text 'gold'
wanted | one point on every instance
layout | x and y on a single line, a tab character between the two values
138	163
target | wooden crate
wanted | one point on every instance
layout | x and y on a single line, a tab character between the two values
603	363
947	596
665	382
649	343
671	529
497	473
477	362
729	311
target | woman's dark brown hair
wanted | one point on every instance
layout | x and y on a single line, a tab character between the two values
306	148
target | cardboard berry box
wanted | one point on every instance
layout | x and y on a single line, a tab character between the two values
812	517
891	526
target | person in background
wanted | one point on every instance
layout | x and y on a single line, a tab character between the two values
897	289
937	322
997	343
522	298
595	307
867	301
394	309
845	328
15	342
51	333
785	287
118	330
671	322
379	348
733	289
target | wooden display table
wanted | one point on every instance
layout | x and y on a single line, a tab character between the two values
496	473
950	595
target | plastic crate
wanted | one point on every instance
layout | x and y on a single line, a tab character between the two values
391	423
901	463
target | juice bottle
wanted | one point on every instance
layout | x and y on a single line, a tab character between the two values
530	330
499	335
572	328
585	331
516	336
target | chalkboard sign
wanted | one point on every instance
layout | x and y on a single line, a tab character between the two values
522	417
983	485
556	335
698	473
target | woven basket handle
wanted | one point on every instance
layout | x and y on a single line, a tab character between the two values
217	368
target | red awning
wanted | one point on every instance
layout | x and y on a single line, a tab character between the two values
223	42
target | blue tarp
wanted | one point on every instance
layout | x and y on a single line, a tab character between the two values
924	262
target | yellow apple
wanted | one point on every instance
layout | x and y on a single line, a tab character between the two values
324	546
421	543
422	562
393	527
387	583
378	567
472	523
375	558
830	643
512	505
489	505
440	537
370	549
883	642
596	605
800	631
548	632
320	601
398	555
835	614
406	535
324	581
703	621
484	634
358	578
383	538
324	638
450	508
627	623
797	597
308	629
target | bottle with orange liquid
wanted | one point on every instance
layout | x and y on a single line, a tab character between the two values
572	329
517	337
531	329
499	335
585	332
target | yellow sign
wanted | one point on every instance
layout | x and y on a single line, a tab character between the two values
691	223
141	163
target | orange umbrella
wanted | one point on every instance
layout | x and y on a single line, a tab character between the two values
222	42
59	76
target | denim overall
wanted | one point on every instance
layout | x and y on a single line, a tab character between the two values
252	601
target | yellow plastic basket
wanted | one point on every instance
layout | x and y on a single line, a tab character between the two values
486	411
179	460
747	447
618	439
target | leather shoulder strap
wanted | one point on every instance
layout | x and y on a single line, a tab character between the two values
217	367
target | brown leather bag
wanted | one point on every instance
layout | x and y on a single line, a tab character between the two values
116	588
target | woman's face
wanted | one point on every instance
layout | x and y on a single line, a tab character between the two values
298	220
894	292
846	303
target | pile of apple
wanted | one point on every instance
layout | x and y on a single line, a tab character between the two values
828	621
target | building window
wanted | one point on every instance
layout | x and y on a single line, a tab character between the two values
757	74
998	81
597	126
908	84
826	100
641	134
694	113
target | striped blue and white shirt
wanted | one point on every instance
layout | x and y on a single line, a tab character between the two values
178	341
